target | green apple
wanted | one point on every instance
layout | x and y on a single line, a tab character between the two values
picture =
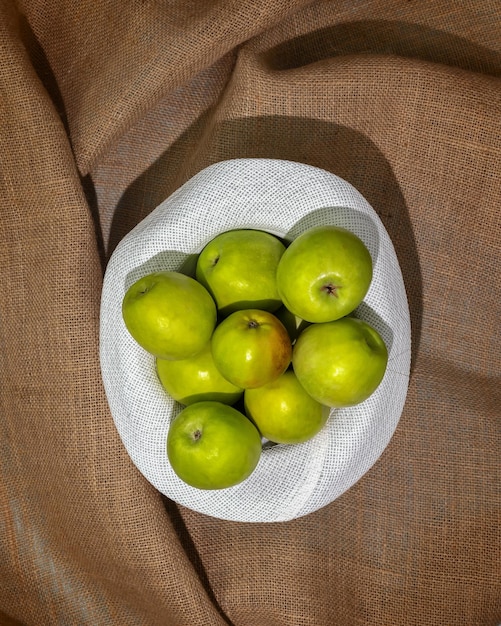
294	324
340	363
211	445
324	274
284	412
239	268
196	379
251	348
169	314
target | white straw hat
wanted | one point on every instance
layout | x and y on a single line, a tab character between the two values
284	198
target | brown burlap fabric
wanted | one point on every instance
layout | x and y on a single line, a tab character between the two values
105	109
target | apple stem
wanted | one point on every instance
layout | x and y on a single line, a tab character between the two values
331	289
197	434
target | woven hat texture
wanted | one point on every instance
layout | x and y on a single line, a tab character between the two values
284	198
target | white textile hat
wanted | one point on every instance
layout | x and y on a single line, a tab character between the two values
284	198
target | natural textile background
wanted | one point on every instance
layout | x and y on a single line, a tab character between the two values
105	110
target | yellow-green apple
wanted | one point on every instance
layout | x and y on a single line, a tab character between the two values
169	314
294	324
251	348
324	274
284	412
211	445
196	379
239	268
340	363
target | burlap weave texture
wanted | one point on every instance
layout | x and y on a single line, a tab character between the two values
104	113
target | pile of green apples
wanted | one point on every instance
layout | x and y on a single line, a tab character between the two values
260	344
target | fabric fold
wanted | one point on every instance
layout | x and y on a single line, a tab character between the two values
105	112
